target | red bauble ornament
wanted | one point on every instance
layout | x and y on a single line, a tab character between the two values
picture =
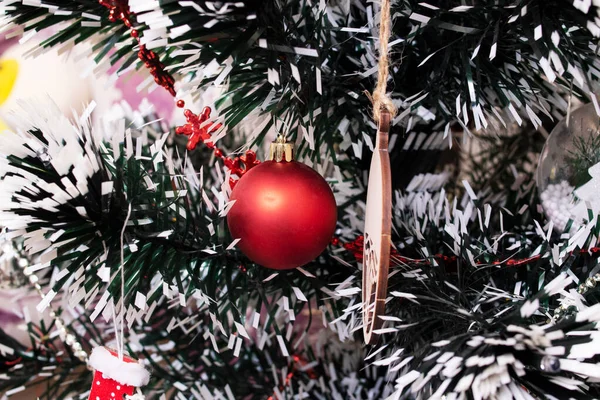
284	212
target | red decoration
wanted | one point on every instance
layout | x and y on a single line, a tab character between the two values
356	248
114	378
157	70
284	214
194	129
119	11
198	130
240	165
298	362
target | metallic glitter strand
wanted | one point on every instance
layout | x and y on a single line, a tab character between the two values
69	338
355	247
584	287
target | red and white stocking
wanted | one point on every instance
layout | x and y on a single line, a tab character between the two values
115	378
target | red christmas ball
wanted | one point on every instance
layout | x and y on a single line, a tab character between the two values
284	214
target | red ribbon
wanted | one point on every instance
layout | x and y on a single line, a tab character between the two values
356	248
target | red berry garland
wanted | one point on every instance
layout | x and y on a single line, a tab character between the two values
119	11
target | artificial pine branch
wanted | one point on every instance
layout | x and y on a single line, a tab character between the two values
199	291
308	65
432	300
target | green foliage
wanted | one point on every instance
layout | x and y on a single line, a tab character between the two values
171	221
170	217
449	61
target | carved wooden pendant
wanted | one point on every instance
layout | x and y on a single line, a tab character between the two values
378	225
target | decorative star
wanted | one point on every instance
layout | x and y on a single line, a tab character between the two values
195	130
198	129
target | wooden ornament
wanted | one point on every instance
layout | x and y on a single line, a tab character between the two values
378	225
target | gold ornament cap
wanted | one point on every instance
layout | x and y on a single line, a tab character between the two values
281	150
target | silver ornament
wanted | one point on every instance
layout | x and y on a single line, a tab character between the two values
44	157
550	364
11	270
568	173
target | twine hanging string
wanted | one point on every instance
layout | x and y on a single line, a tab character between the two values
381	101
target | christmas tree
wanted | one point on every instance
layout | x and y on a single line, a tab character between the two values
191	258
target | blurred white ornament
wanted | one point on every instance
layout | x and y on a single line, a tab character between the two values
568	174
27	73
558	200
